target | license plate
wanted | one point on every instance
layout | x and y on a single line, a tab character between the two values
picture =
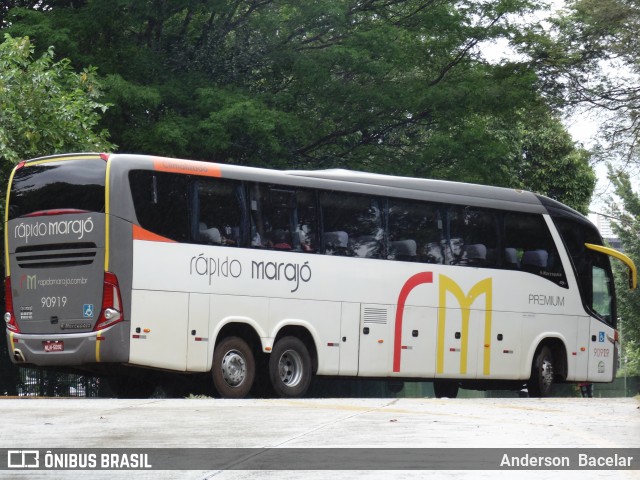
53	346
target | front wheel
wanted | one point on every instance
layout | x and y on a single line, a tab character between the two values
234	368
290	368
542	372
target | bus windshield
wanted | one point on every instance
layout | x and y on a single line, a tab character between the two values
58	185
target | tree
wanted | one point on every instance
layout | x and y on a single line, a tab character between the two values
589	60
627	227
45	108
397	87
553	166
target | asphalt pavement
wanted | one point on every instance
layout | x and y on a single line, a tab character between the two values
70	428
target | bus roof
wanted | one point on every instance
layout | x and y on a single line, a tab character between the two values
446	191
360	182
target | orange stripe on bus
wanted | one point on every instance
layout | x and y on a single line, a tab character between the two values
140	233
189	167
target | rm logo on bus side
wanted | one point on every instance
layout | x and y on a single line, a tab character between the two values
446	284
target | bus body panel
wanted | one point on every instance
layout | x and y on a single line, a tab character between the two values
56	265
603	352
313	300
419	341
80	349
198	332
349	346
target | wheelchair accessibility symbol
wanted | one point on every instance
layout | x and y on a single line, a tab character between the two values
87	310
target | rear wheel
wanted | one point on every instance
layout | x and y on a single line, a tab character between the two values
542	371
290	367
234	368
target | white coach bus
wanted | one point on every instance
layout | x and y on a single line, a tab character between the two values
257	275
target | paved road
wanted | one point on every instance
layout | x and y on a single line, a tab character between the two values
368	423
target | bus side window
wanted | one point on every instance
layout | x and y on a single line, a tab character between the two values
529	247
271	217
473	237
414	232
352	225
306	221
160	203
218	212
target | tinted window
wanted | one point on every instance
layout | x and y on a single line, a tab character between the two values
71	184
473	237
529	247
352	225
283	218
593	269
160	201
218	211
414	231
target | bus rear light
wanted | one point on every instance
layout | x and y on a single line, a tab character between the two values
9	316
104	156
111	312
616	336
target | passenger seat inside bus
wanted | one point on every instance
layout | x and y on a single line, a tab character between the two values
534	260
511	259
404	250
475	254
365	246
336	243
209	235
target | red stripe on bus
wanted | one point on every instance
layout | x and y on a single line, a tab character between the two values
413	282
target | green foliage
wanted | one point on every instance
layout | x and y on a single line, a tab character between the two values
627	227
45	107
553	166
590	60
396	87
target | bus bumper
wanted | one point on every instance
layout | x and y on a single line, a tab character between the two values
109	345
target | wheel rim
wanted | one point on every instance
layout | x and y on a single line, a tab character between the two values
290	368
234	368
546	374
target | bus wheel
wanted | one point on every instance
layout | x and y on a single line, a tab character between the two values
542	371
444	388
234	368
290	367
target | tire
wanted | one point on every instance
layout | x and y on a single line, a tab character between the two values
234	368
290	368
542	374
445	388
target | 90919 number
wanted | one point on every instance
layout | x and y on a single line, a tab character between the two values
53	302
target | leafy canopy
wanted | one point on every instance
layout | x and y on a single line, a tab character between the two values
45	107
395	86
